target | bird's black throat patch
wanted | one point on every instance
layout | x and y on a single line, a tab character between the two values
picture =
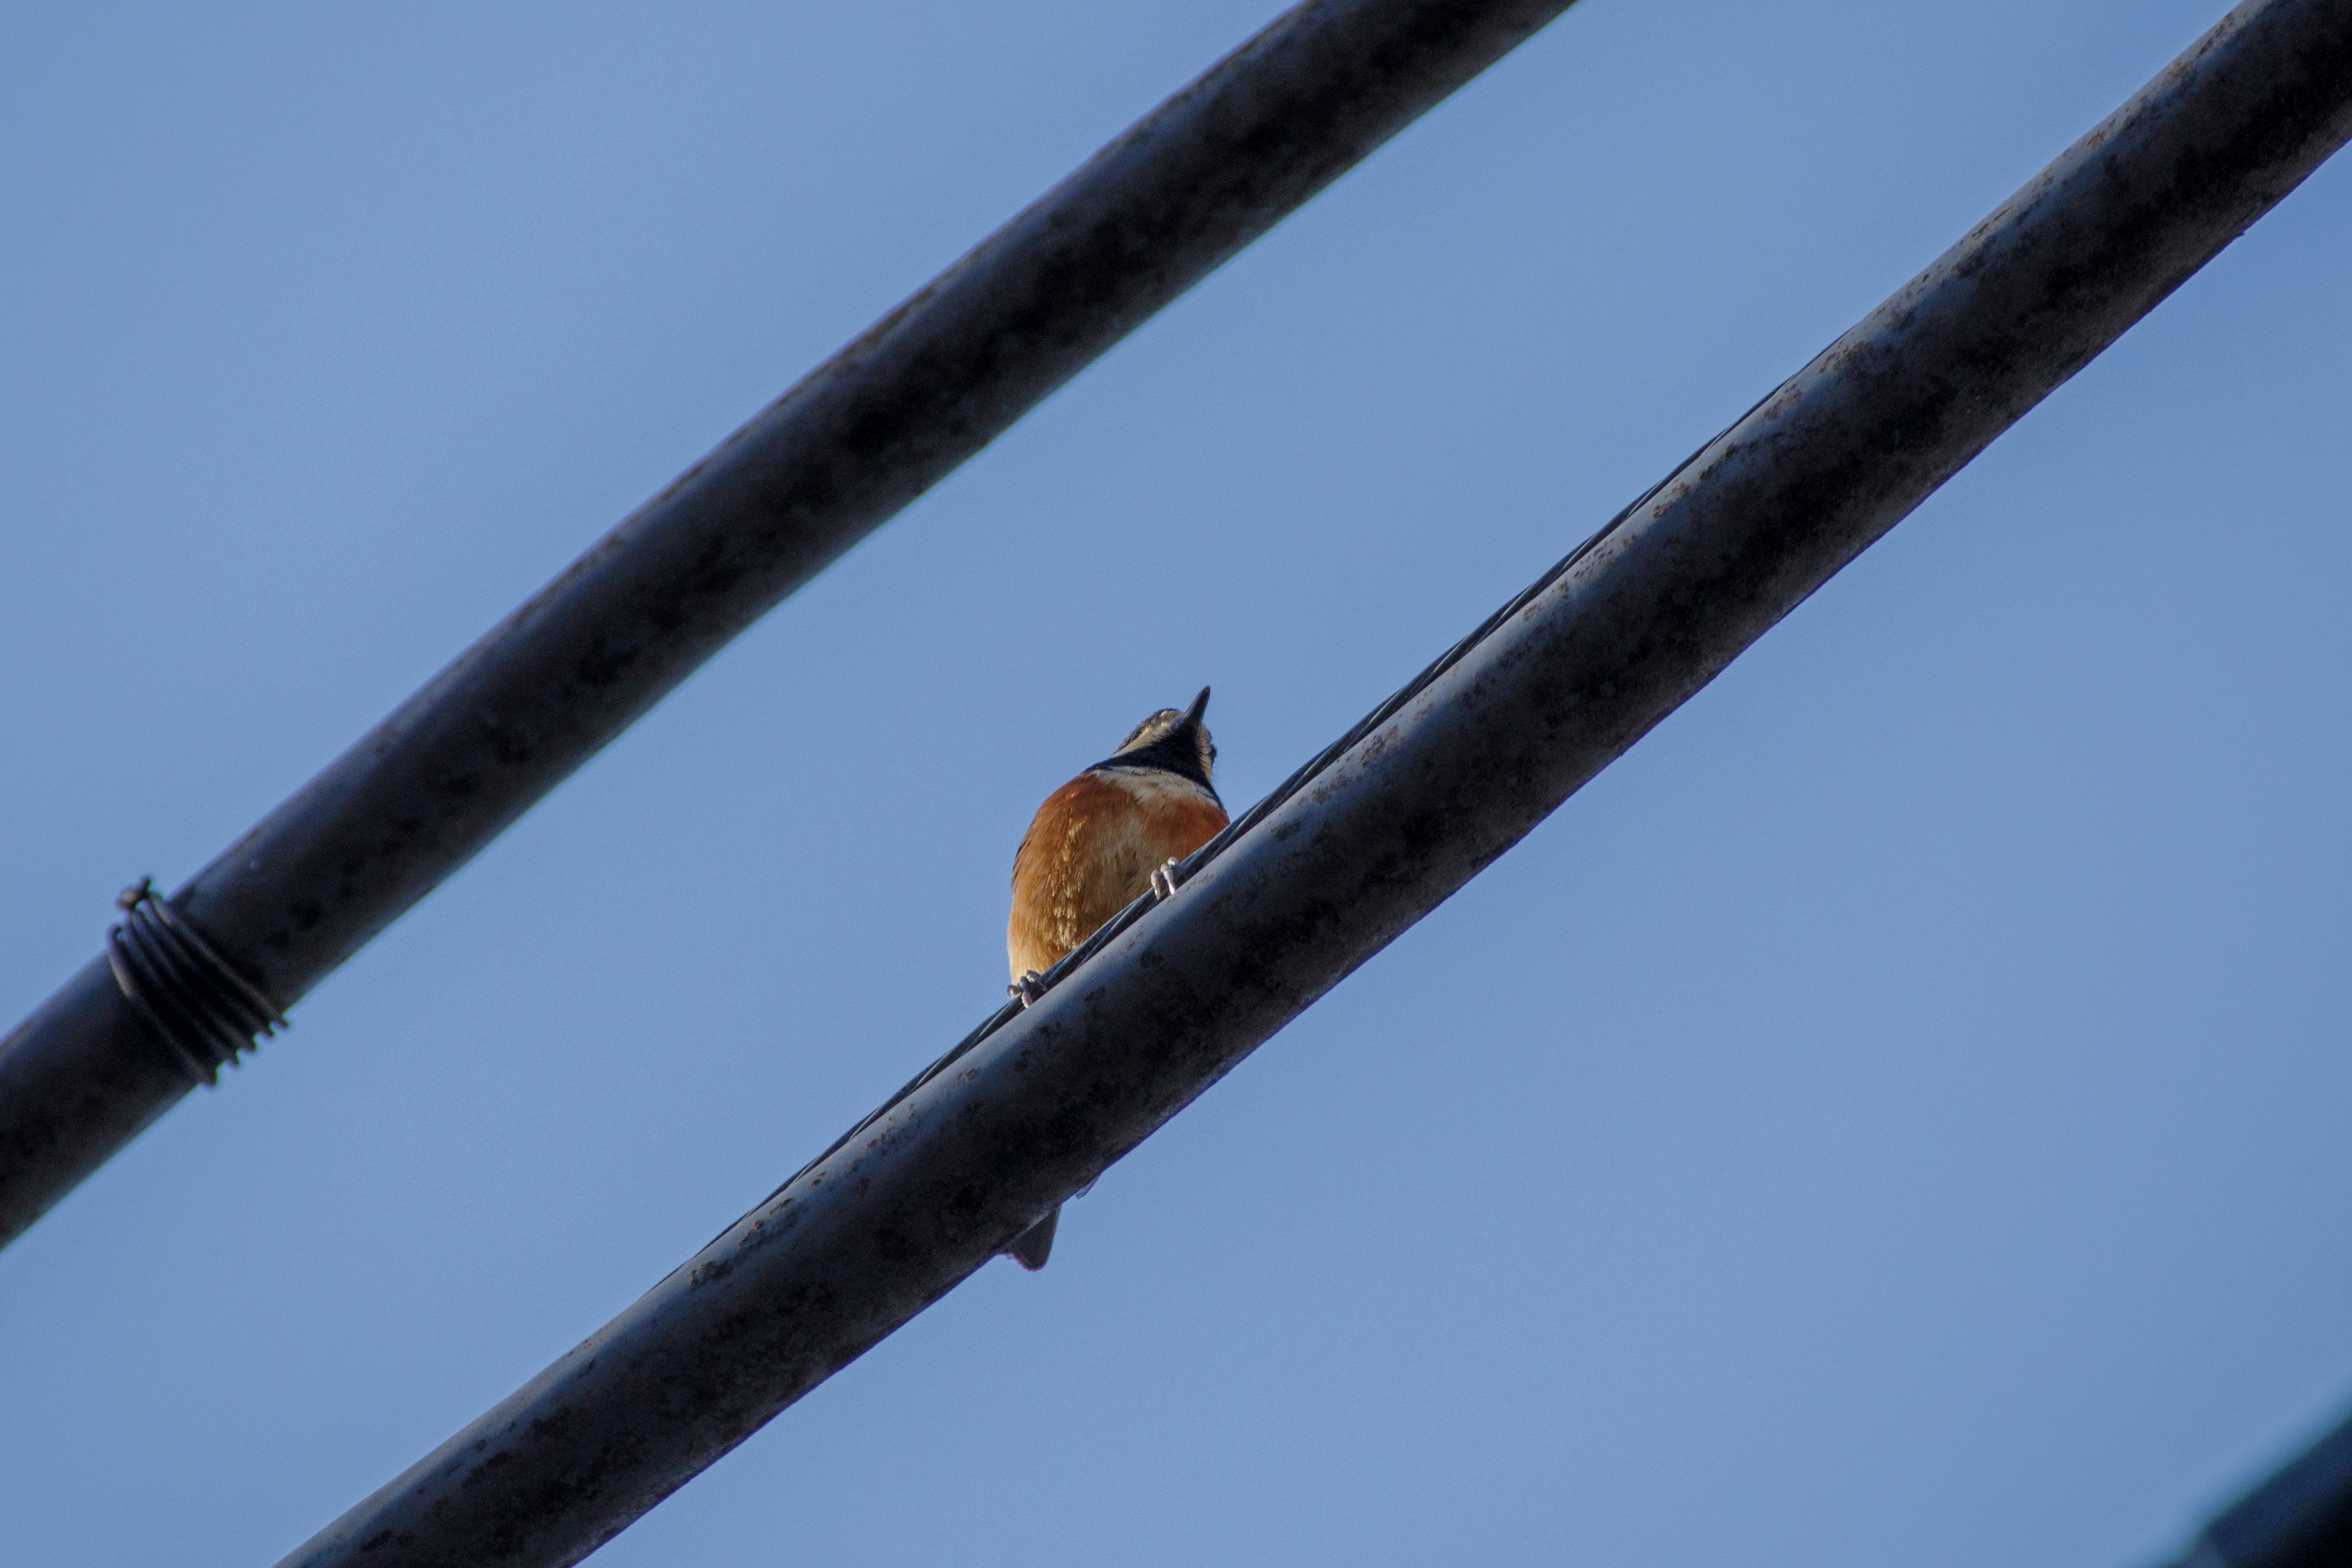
1177	753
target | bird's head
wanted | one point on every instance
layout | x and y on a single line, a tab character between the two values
1173	740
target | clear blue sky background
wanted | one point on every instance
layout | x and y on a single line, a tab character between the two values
1896	1115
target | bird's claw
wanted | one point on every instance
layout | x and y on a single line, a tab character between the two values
1028	988
1163	880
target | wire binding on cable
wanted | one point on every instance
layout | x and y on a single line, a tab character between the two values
204	1010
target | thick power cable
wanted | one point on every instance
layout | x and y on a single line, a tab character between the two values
2300	1515
857	439
1643	618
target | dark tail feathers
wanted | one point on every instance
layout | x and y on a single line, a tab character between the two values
1033	1246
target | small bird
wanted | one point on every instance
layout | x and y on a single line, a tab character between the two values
1095	845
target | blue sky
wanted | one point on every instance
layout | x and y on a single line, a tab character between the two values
1894	1115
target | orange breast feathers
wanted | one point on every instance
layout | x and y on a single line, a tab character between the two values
1090	852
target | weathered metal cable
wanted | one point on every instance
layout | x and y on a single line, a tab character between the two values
868	431
1644	616
2298	1516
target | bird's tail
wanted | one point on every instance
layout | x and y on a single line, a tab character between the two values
1033	1246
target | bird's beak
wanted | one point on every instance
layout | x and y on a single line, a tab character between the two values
1199	708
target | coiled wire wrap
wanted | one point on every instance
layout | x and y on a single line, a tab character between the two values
205	1010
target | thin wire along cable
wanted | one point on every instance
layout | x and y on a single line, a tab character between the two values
1112	929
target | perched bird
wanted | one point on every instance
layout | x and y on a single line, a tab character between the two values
1095	845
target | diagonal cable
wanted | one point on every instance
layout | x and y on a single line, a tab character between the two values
1644	616
1168	200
